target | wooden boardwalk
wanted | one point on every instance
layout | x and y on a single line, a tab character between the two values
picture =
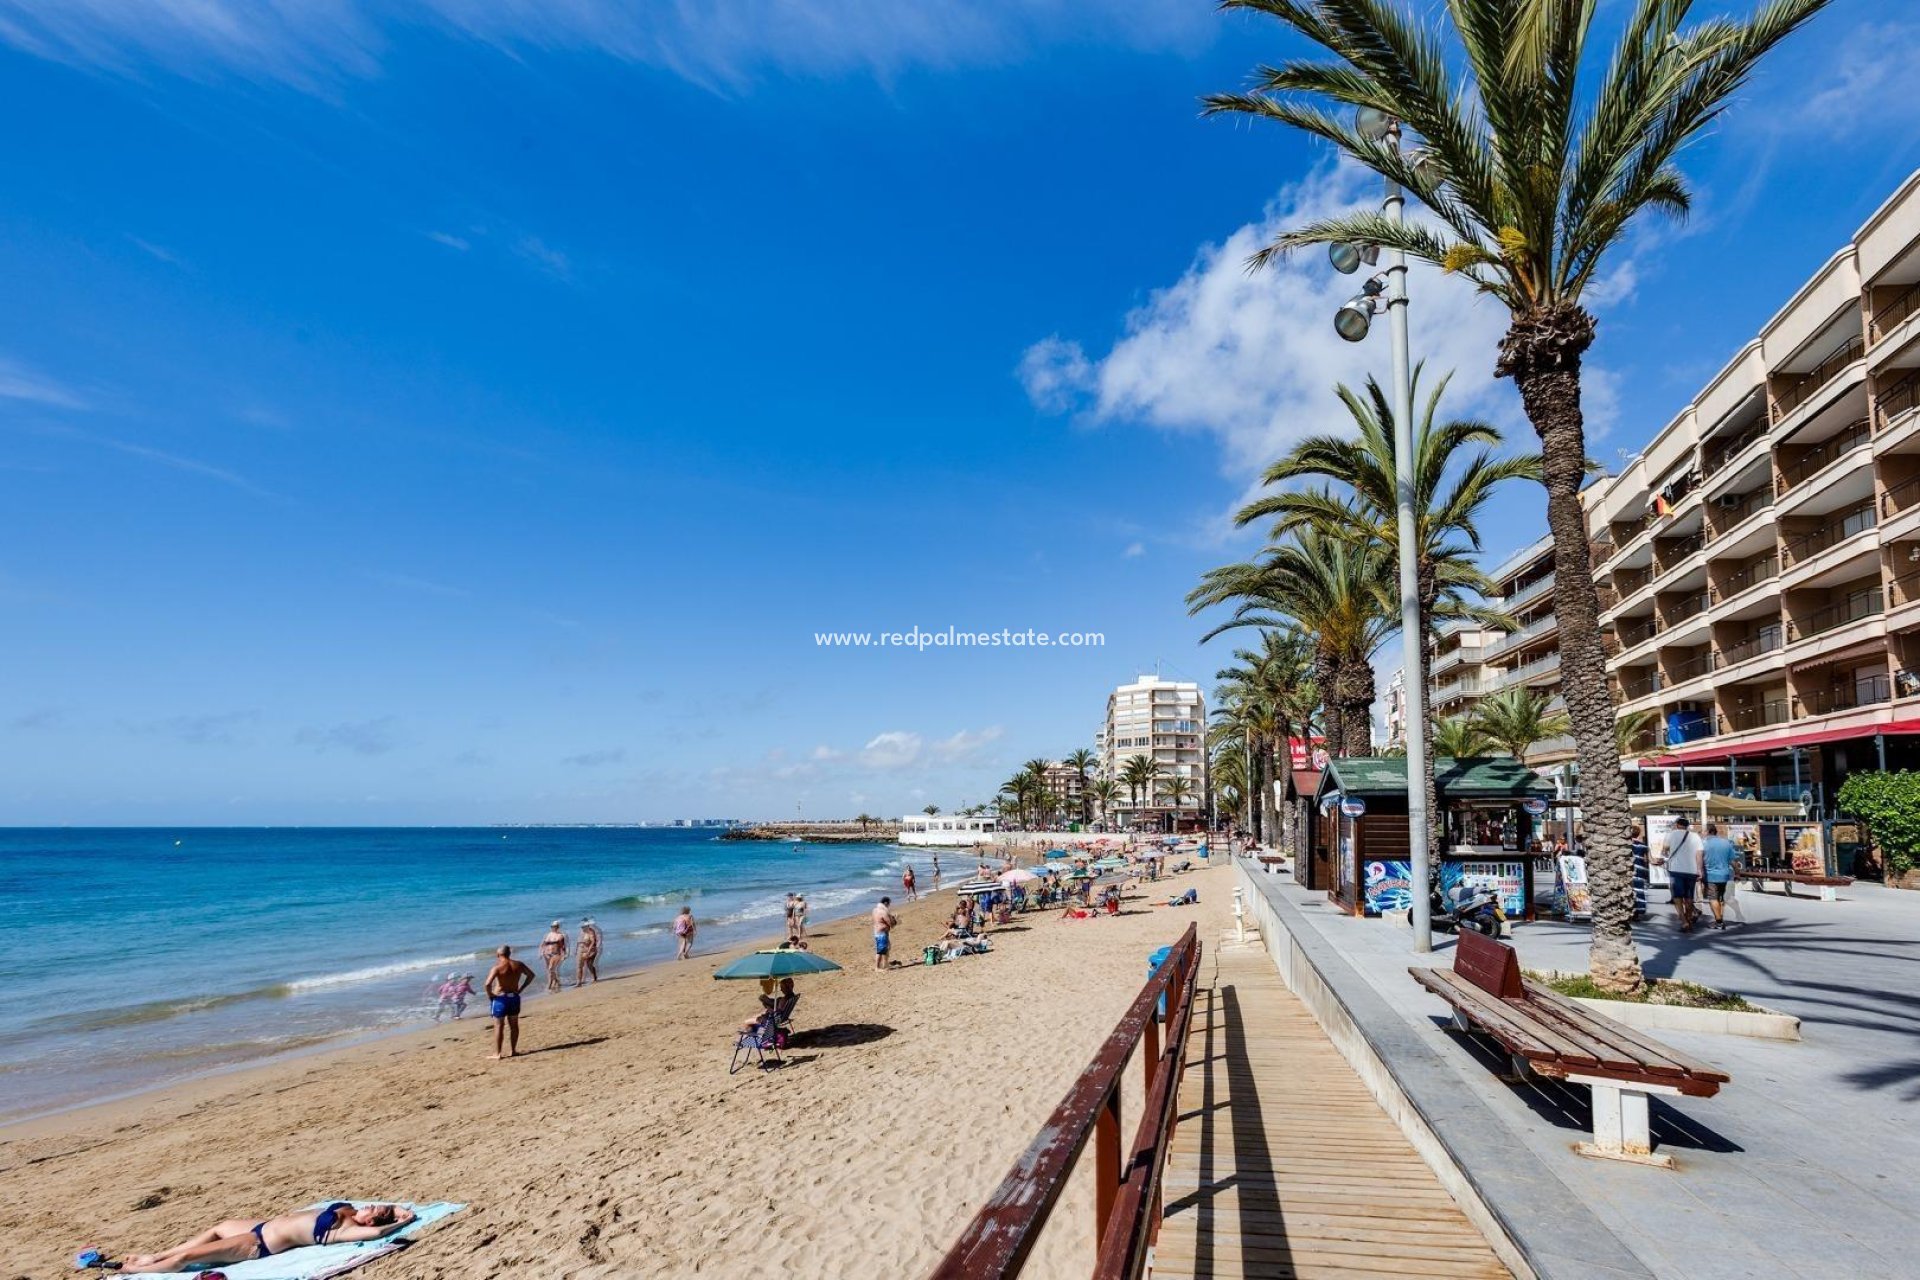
1283	1165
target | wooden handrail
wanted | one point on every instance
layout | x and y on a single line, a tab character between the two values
997	1242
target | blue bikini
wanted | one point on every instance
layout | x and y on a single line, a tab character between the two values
323	1222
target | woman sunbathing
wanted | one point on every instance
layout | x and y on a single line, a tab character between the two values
240	1240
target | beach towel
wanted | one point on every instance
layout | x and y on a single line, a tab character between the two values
319	1261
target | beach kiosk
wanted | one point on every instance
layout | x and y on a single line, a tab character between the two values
1486	808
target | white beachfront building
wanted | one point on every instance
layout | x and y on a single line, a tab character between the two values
946	830
1165	721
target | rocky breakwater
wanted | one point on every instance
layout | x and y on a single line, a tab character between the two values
839	832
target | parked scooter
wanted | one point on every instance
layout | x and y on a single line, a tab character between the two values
1469	906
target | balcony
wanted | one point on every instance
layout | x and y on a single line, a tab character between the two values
1765	569
1810	383
1905	591
1772	712
1724	517
1861	604
1868	692
1519	639
1722	453
1764	641
1822	456
1685	607
1895	401
1635	631
1531	672
1461	689
1693	668
1844	525
1888	318
1670	553
1645	687
1529	593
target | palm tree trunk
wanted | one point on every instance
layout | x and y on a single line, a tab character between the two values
1541	353
1326	672
1354	692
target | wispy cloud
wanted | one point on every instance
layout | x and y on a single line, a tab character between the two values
594	759
361	737
220	728
450	241
18	382
315	43
545	257
424	586
157	251
1134	551
178	462
37	719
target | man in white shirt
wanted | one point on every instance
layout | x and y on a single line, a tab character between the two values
1680	853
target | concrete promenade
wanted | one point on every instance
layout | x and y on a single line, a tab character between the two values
1804	1166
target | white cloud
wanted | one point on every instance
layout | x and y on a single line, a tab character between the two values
893	750
1250	359
450	241
1134	551
361	737
424	586
18	382
315	42
545	256
964	746
1868	75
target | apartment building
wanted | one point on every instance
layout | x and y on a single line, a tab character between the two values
1063	781
1759	562
1396	702
1166	721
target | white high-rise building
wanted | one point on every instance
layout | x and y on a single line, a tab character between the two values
1165	721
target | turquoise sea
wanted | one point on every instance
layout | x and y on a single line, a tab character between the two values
130	958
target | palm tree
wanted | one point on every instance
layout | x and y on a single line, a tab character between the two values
865	820
1450	487
1177	791
1105	791
1138	773
931	809
1333	592
1460	738
1636	733
1532	179
1264	701
1080	761
1514	719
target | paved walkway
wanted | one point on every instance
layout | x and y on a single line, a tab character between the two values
1283	1165
1803	1166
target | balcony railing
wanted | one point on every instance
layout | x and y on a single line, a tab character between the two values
1699	665
1516	639
1886	319
1845	525
1628	581
1651	683
1817	377
1721	452
1896	400
1906	589
1869	691
1635	631
1726	516
1685	607
1668	553
1532	591
1822	456
1861	604
1520	675
1900	497
1765	640
1757	571
1460	689
1741	719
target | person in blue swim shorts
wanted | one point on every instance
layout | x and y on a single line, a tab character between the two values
883	922
505	981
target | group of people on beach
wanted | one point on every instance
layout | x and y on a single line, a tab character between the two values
555	946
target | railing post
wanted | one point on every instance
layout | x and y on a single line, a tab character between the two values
1106	1163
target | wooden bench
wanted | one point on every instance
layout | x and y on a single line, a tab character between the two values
1787	879
1548	1034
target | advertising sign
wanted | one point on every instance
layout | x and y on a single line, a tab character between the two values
1389	886
1658	825
1534	805
1507	880
1570	895
1307	755
1353	806
1804	847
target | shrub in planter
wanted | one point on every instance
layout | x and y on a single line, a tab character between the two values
1889	803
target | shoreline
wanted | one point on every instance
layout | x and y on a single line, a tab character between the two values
346	1041
617	1144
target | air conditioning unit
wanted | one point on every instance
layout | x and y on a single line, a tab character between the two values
1728	501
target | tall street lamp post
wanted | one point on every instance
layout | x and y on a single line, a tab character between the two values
1352	322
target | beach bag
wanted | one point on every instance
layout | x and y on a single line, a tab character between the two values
932	955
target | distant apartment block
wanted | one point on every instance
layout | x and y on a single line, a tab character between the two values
1165	721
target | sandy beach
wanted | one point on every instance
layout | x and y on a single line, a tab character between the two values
619	1145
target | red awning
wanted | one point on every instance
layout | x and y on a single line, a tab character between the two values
1783	742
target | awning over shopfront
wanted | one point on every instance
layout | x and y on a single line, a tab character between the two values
1780	742
1485	778
1711	804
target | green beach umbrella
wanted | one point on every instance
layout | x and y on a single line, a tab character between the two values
775	964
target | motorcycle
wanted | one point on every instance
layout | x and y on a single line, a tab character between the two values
1469	906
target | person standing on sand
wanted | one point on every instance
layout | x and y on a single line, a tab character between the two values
553	954
800	916
906	883
587	960
936	871
505	981
883	922
683	928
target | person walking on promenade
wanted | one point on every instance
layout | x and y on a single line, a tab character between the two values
683	928
587	959
883	922
505	981
553	954
906	883
1717	858
1680	854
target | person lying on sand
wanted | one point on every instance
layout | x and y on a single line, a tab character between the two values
242	1239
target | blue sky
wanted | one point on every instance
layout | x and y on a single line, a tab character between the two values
448	412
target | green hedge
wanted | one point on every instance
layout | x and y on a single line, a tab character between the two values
1889	803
